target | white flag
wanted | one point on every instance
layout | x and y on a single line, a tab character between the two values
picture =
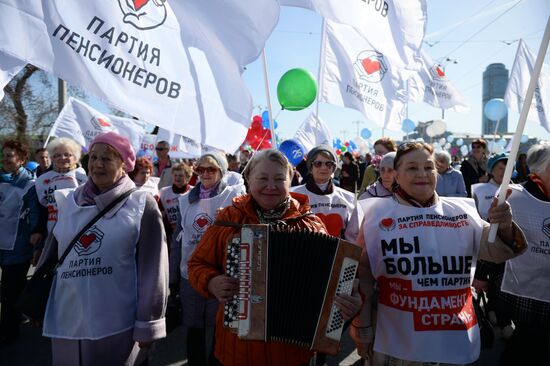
182	147
312	132
9	67
82	123
394	28
177	64
432	86
357	76
519	82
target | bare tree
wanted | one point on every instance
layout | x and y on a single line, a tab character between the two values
29	105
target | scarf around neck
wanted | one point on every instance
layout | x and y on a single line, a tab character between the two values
267	216
314	188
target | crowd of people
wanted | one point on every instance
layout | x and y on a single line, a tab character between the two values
421	218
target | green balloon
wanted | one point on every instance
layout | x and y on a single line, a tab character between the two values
297	89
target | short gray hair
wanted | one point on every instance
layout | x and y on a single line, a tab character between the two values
443	156
68	143
271	155
538	158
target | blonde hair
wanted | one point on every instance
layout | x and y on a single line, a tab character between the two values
68	143
270	155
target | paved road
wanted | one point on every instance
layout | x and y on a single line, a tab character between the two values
32	349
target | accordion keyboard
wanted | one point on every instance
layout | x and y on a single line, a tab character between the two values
231	307
345	285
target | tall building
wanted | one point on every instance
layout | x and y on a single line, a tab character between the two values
495	79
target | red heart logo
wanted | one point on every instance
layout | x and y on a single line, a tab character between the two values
138	4
86	240
370	66
333	223
103	123
439	71
387	222
202	222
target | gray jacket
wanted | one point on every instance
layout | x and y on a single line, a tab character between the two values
451	184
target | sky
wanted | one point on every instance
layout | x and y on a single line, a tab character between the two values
296	41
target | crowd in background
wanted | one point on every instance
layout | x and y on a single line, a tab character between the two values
175	245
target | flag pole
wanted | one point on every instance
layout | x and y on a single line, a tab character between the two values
268	97
521	124
321	65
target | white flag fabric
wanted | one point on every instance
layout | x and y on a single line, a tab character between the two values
177	64
356	75
80	122
394	28
313	132
182	147
519	82
9	67
432	86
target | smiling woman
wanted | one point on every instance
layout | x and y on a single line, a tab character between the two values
102	310
66	173
429	244
269	201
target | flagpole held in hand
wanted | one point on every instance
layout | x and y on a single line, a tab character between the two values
521	124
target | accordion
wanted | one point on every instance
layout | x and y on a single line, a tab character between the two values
287	285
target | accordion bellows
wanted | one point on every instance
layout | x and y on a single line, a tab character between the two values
287	285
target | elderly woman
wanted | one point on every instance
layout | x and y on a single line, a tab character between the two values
526	283
382	146
332	204
449	181
169	196
198	208
109	296
141	175
66	173
483	193
474	168
383	187
21	233
268	174
420	249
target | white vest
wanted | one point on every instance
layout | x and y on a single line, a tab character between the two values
11	202
528	275
151	186
483	193
423	260
94	294
50	182
333	209
197	217
170	203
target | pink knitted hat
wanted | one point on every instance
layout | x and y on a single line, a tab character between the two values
121	145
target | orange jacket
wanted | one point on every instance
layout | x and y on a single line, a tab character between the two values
208	261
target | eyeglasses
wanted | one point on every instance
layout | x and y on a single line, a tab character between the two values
209	169
64	155
328	164
161	148
477	147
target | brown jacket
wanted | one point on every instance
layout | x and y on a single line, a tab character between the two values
208	261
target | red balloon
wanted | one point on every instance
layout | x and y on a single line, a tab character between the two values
338	152
347	144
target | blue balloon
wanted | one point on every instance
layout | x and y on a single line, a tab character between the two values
31	165
524	139
265	117
495	109
293	151
275	124
352	145
366	133
408	125
335	144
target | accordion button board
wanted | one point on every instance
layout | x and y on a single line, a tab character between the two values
287	285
